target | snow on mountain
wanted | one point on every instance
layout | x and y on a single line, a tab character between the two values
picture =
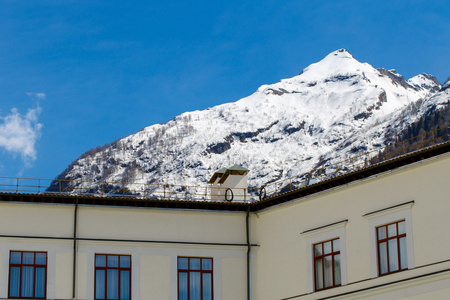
425	82
446	84
333	109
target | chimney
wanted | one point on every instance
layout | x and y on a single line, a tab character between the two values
229	184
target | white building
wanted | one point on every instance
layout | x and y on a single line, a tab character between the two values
376	233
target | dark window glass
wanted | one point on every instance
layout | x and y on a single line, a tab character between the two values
112	276
327	264
27	274
391	241
195	278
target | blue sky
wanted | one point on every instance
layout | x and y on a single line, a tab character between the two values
78	74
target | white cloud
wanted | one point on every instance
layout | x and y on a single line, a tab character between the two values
19	133
37	95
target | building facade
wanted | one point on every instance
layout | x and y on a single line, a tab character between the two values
379	233
390	232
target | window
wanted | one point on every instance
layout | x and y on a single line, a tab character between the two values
195	278
391	241
326	256
327	264
27	274
112	276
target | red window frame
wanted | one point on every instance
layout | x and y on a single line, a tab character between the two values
201	271
21	265
106	268
321	257
386	239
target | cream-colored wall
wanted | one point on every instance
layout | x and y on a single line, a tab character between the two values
1	268
234	278
428	282
122	223
155	276
63	274
82	276
154	268
154	265
161	225
36	219
280	264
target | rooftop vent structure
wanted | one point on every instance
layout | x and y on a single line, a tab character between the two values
229	184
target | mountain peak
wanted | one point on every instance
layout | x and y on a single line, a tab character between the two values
425	82
342	53
337	62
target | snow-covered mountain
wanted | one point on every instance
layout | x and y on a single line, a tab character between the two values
333	109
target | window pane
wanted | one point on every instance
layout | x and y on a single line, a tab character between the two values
41	258
183	263
319	274
207	286
100	284
125	261
113	261
327	247
16	257
401	227
207	264
125	285
383	258
336	245
403	254
100	260
337	269
195	264
328	271
182	286
393	255
27	281
194	286
28	258
40	282
318	250
392	230
381	232
112	285
14	282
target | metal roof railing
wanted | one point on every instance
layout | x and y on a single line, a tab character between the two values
326	171
81	187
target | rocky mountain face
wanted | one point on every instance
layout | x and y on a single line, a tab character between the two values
332	110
